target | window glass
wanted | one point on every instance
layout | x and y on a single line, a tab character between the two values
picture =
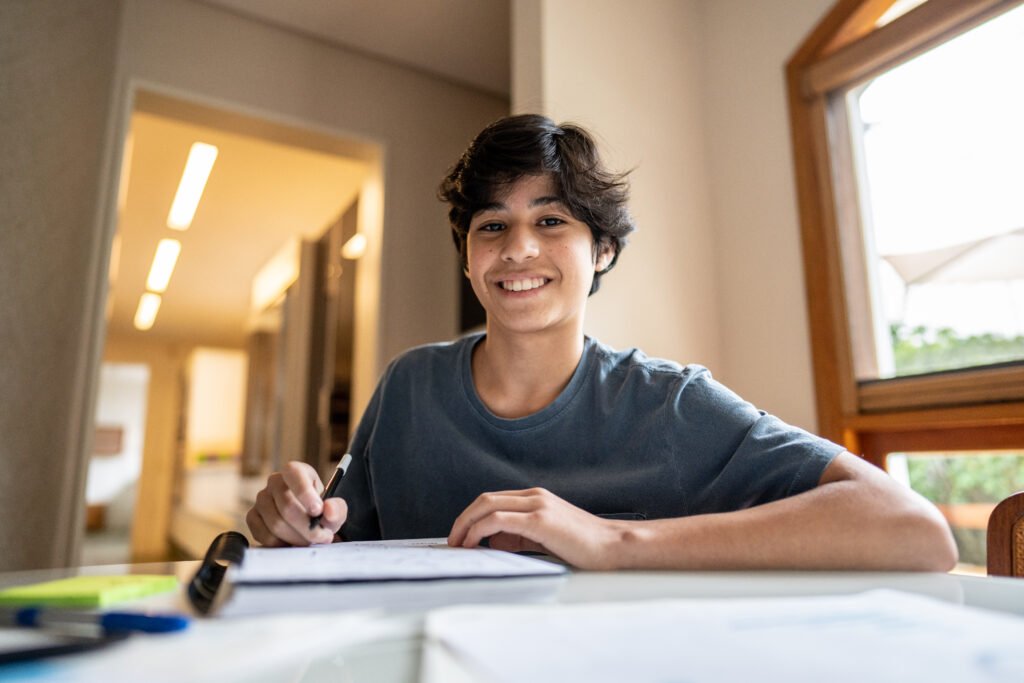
966	487
897	10
937	144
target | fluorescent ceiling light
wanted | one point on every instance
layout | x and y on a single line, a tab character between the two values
163	265
145	315
355	247
190	189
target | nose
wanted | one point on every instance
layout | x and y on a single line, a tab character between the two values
520	244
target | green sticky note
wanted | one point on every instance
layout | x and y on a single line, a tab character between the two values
88	591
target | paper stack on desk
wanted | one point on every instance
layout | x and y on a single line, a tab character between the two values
878	636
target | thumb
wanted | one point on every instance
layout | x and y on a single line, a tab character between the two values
334	515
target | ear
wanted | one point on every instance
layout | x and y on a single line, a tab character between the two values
604	259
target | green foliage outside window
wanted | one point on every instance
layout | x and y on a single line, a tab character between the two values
959	479
918	350
975	478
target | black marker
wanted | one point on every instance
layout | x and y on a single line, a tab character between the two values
331	490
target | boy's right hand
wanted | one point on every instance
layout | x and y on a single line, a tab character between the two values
284	507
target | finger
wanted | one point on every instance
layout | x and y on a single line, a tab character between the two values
519	523
276	526
515	544
335	514
320	536
292	510
304	483
260	533
521	493
486	504
283	514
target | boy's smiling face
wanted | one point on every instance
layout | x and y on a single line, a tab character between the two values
531	263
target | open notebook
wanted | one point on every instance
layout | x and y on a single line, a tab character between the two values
405	574
427	559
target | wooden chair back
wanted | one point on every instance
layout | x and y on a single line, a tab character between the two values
1006	537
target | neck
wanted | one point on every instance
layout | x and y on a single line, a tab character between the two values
519	374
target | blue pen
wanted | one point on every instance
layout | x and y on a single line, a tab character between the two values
85	622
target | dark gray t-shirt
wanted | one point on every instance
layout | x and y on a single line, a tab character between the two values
628	435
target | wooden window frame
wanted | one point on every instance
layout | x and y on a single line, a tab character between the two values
971	409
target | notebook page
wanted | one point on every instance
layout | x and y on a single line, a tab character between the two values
418	559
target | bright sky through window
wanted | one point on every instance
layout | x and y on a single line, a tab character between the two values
943	144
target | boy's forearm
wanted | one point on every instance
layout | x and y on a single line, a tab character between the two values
861	523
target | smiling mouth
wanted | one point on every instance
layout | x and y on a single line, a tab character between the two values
523	285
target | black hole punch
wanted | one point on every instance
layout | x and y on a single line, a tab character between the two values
228	548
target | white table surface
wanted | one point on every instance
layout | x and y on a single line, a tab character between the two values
386	645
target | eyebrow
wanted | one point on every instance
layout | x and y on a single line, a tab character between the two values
539	201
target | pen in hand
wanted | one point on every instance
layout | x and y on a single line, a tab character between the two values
331	490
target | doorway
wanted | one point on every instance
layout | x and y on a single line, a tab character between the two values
272	189
116	462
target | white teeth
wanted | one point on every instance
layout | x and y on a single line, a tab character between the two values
522	285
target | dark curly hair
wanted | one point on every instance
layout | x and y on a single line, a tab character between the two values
530	144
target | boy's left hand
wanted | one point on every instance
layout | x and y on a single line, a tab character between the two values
538	520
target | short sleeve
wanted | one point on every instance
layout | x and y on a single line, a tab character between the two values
748	457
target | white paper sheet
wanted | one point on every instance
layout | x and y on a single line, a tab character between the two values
877	636
419	559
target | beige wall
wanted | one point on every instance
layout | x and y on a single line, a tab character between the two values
692	94
56	79
760	290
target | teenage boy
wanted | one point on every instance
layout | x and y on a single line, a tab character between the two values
536	437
